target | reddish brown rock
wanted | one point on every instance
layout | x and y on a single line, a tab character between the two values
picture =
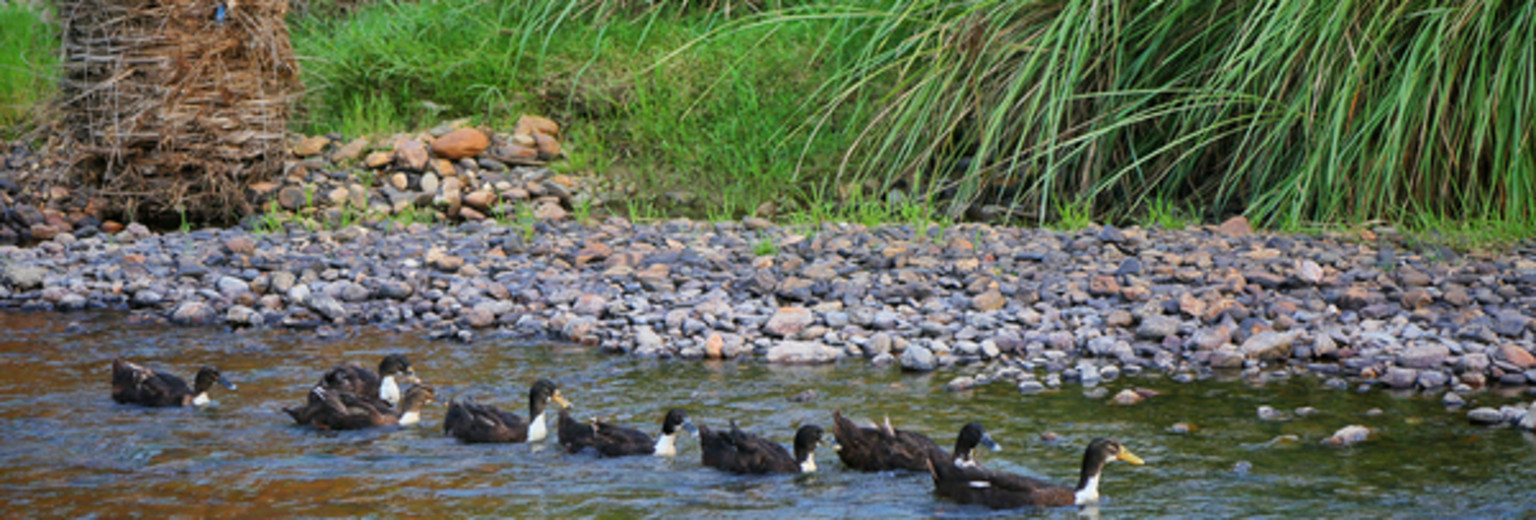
42	231
461	143
989	301
351	151
410	154
530	125
714	347
547	146
444	261
1517	356
480	199
550	211
262	188
594	252
311	146
291	198
1416	298
240	246
468	213
444	168
378	159
1103	285
517	154
1236	227
1192	306
111	226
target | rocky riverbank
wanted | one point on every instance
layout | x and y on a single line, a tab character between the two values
1032	308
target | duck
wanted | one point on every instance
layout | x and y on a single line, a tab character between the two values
136	384
352	378
394	370
1001	490
737	451
617	441
884	448
472	422
342	410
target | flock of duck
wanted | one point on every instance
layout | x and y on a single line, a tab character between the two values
350	397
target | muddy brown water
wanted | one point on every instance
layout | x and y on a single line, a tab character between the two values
68	450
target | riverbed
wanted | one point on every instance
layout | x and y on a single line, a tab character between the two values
69	450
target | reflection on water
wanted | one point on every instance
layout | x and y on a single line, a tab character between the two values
68	450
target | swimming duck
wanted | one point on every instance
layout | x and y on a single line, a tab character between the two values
351	377
135	384
469	421
999	490
882	447
349	411
737	451
618	441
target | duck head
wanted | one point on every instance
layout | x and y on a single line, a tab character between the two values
416	398
399	367
395	370
539	396
1100	452
972	435
205	379
666	443
807	438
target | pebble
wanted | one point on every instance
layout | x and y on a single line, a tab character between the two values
1348	436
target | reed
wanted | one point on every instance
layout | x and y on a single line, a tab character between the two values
1289	111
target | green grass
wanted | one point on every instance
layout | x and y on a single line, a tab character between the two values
1166	113
765	247
1072	216
1288	111
711	121
1297	114
29	65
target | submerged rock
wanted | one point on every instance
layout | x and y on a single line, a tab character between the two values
1348	436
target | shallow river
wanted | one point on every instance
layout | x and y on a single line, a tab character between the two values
67	450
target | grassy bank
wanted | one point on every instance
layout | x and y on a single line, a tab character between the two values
704	132
28	65
1295	113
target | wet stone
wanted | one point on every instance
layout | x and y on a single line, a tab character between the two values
806	352
1398	377
1485	416
918	358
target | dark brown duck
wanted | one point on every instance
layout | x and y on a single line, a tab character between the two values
1000	490
135	384
472	422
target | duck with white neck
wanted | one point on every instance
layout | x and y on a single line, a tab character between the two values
472	422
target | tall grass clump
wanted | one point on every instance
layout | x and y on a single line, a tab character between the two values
29	64
1290	111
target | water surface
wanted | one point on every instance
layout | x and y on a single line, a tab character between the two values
66	449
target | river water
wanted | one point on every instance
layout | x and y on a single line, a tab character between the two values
69	450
